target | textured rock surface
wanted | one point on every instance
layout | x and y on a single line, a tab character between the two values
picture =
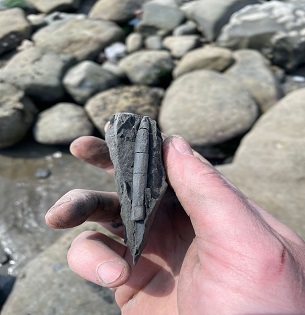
253	71
61	124
136	99
60	291
208	57
269	166
17	114
275	28
206	108
49	6
135	146
210	18
86	79
134	42
38	73
147	67
82	38
115	10
14	27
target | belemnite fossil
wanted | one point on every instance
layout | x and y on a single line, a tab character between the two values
135	146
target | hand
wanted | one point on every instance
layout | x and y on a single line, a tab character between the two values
210	250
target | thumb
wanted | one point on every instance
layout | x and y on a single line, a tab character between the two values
218	211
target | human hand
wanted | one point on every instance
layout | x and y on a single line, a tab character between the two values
210	250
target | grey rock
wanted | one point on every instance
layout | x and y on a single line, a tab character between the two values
49	6
254	72
17	114
82	38
159	16
211	16
275	28
86	79
115	52
293	82
115	10
180	45
206	107
208	57
62	16
187	28
61	124
65	292
147	67
38	73
135	146
135	99
25	199
37	20
153	42
14	28
134	42
269	163
114	69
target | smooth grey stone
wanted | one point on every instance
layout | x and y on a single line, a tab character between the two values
115	51
114	69
62	16
180	45
38	73
135	146
210	15
159	16
269	167
207	57
275	28
14	28
52	287
253	70
188	28
61	124
42	173
153	42
88	36
138	99
17	114
86	79
134	42
206	107
115	10
147	67
49	6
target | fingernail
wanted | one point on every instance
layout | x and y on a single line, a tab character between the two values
109	272
181	145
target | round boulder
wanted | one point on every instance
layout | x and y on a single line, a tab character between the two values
136	99
206	107
17	114
61	124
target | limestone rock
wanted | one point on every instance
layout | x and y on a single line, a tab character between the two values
115	10
211	16
135	99
206	107
65	293
14	28
135	146
159	16
180	45
49	6
275	28
208	57
253	71
61	124
153	42
269	164
17	114
38	73
82	38
86	79
147	67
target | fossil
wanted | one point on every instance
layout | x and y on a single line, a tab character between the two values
135	146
